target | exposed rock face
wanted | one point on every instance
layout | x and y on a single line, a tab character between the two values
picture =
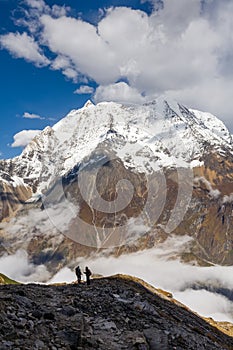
112	313
156	148
11	197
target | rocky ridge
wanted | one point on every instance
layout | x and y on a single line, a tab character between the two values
112	313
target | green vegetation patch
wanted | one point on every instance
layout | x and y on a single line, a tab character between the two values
6	280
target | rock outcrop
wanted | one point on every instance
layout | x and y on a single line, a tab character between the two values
111	314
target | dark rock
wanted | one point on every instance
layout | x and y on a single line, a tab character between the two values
68	310
113	314
157	339
21	292
49	316
70	338
22	322
37	314
39	344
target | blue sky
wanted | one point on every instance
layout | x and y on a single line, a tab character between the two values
126	51
26	88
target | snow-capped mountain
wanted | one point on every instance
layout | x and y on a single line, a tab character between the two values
142	144
169	131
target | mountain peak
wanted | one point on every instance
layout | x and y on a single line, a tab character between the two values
162	129
132	142
88	104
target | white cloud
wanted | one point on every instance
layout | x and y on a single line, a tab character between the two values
158	267
84	89
175	16
23	46
141	50
154	266
53	221
59	11
147	51
214	193
23	137
119	92
37	4
183	50
213	95
32	116
207	304
64	274
135	230
64	64
18	267
79	41
71	73
60	62
40	6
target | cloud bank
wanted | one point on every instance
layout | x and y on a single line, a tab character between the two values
182	49
18	267
158	267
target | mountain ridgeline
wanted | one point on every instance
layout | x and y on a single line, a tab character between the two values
121	177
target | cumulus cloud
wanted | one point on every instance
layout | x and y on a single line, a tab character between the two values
71	74
142	50
79	41
64	64
24	46
37	4
183	49
162	53
23	137
59	11
40	5
32	116
84	89
119	92
60	62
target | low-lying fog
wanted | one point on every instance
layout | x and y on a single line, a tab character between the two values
200	288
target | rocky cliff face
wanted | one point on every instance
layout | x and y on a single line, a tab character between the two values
121	177
111	313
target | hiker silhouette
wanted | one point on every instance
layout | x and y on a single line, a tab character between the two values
78	274
88	275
